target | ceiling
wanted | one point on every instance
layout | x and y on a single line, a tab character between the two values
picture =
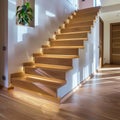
109	2
110	10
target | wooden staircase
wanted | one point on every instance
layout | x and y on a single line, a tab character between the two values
48	71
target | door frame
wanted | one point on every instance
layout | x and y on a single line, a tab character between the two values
4	43
111	24
101	42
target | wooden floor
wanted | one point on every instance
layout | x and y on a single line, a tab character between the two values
98	99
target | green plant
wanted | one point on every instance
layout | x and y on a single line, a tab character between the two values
24	14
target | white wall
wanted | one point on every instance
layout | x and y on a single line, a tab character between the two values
109	2
23	41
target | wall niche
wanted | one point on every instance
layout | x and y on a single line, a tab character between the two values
25	14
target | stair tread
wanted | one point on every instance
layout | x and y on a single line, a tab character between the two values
78	26
38	95
37	85
84	17
58	56
67	46
51	66
44	78
92	12
64	33
73	27
59	48
76	30
39	78
73	33
60	67
71	39
80	22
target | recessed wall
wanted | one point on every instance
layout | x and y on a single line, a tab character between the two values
32	6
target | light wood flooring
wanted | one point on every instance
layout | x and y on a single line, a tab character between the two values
98	99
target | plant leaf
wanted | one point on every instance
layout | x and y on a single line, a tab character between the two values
24	14
18	7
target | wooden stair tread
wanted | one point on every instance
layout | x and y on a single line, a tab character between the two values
60	51
58	48
67	47
59	56
38	95
39	79
50	66
74	30
86	13
71	33
71	39
60	67
81	22
47	79
35	86
91	17
88	10
64	33
78	26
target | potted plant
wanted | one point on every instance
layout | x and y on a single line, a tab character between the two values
24	14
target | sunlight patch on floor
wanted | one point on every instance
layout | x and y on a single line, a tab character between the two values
35	101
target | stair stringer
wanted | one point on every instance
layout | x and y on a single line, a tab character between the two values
86	64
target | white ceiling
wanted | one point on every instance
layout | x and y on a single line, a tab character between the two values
111	16
109	2
110	10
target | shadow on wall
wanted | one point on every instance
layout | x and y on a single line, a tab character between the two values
23	40
26	40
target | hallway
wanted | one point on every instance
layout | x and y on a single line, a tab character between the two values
98	99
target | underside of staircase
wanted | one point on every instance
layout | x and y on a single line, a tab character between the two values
47	73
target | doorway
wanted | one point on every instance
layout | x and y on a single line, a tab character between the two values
115	43
101	30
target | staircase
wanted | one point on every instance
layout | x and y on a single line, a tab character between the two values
47	74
